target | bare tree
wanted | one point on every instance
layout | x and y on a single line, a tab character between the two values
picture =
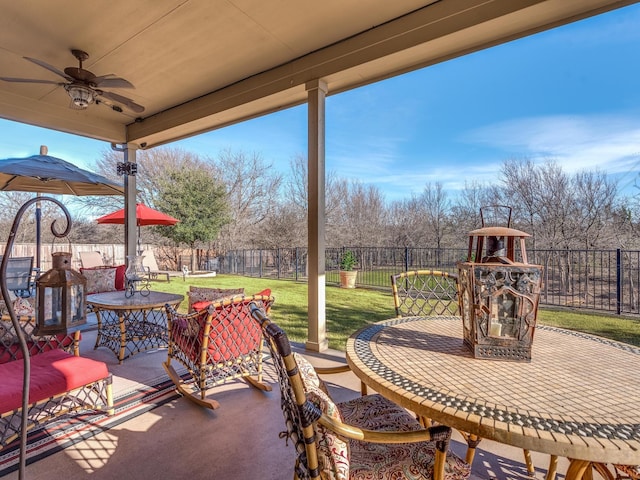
406	228
285	227
595	197
542	196
252	190
436	208
10	203
363	216
296	196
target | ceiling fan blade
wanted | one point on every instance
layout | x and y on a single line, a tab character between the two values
127	102
111	81
51	68
29	80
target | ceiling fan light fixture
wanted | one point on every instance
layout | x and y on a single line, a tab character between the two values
81	96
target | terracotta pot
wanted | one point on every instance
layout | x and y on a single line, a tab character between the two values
348	278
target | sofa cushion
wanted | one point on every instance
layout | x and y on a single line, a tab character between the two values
100	279
52	373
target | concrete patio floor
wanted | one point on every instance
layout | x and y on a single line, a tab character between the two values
238	441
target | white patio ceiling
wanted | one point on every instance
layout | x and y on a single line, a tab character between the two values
199	65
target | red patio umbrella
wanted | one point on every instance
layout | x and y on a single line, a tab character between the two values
144	216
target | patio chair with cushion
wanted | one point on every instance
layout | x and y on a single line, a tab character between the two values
217	344
368	437
151	265
91	259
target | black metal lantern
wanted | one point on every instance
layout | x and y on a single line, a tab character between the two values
60	297
499	292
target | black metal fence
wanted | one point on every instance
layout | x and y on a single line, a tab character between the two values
604	280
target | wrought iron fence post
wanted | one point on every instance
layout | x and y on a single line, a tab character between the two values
618	281
406	259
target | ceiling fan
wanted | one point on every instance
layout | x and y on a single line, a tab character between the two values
83	86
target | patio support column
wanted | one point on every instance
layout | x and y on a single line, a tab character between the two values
317	332
128	169
130	229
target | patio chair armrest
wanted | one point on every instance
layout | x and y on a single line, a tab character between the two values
332	370
436	433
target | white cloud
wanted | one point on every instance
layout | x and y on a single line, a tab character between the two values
606	142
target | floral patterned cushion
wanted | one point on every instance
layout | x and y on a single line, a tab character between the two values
23	307
390	461
100	279
633	472
333	452
204	296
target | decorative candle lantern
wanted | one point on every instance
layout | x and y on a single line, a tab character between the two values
498	292
60	297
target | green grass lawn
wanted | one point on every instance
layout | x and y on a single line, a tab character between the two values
348	310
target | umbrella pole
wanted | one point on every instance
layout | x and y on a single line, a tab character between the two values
139	244
38	231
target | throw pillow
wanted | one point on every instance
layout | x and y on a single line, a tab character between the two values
100	279
333	452
24	307
202	297
120	271
189	325
201	305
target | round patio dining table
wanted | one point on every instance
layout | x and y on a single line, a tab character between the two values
577	398
129	325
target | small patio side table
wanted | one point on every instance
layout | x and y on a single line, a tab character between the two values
131	325
578	398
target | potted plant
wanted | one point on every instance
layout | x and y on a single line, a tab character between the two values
348	275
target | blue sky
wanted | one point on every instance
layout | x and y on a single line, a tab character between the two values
571	94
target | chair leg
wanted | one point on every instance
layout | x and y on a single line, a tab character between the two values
424	421
472	443
588	473
553	468
175	378
363	389
257	381
603	471
529	463
576	469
